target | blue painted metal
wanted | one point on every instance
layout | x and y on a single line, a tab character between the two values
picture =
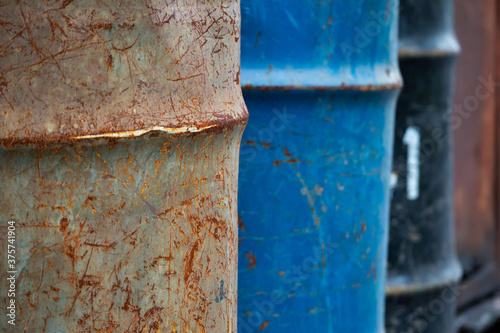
320	80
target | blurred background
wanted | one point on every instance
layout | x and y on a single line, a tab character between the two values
477	171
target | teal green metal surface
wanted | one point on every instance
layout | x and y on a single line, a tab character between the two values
320	81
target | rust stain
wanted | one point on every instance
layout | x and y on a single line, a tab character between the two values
64	223
85	69
126	190
257	40
240	224
251	143
264	325
252	261
289	160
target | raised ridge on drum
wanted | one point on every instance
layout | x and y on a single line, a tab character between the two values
433	36
82	68
325	45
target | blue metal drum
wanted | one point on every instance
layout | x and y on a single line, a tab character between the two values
320	80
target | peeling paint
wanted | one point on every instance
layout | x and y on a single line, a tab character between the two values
136	133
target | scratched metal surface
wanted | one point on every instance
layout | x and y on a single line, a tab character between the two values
117	66
315	163
120	126
422	267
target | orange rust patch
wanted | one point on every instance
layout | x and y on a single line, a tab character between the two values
64	223
240	224
290	161
266	144
188	261
252	261
257	40
109	62
264	325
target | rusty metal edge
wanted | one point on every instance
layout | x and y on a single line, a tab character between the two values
45	141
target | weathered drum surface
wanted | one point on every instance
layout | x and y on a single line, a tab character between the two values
119	128
320	79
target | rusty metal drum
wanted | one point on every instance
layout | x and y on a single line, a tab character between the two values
120	125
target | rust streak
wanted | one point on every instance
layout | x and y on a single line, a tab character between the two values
186	78
252	261
127	47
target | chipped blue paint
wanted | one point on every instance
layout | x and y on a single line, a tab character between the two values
315	164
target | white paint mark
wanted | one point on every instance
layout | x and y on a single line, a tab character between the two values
412	140
394	180
127	134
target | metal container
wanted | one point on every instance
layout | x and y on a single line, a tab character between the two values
475	147
423	269
320	80
475	152
119	129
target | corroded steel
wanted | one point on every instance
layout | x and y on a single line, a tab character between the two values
119	127
423	269
320	80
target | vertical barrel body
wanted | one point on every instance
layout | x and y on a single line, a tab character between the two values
422	268
119	128
320	80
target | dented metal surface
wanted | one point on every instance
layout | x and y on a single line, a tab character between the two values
120	125
315	164
422	268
